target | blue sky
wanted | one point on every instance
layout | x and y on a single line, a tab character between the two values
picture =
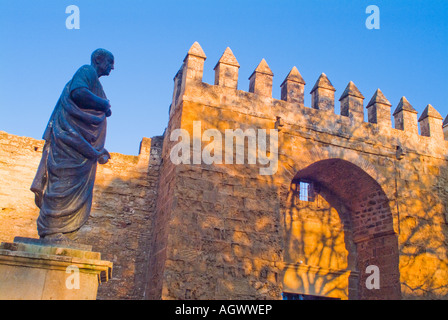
408	56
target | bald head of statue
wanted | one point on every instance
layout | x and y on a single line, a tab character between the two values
102	61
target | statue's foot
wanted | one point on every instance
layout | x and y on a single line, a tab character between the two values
56	237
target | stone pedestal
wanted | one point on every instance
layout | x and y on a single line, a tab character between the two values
33	269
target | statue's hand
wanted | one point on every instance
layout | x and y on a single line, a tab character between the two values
106	107
104	157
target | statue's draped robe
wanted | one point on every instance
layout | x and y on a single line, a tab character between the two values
64	181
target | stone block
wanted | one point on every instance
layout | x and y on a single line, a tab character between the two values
33	269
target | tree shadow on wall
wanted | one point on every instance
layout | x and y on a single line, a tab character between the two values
320	256
423	230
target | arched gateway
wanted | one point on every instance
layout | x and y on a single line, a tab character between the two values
337	223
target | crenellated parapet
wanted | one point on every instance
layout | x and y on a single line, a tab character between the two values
293	88
352	103
379	110
292	100
193	67
260	82
406	117
226	70
431	123
322	94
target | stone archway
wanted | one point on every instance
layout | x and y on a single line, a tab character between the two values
344	227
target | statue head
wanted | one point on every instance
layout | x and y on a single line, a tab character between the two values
103	62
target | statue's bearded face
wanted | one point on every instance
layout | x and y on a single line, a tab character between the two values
105	65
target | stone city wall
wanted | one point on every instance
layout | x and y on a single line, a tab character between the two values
235	234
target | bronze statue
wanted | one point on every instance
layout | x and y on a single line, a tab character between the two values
74	143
